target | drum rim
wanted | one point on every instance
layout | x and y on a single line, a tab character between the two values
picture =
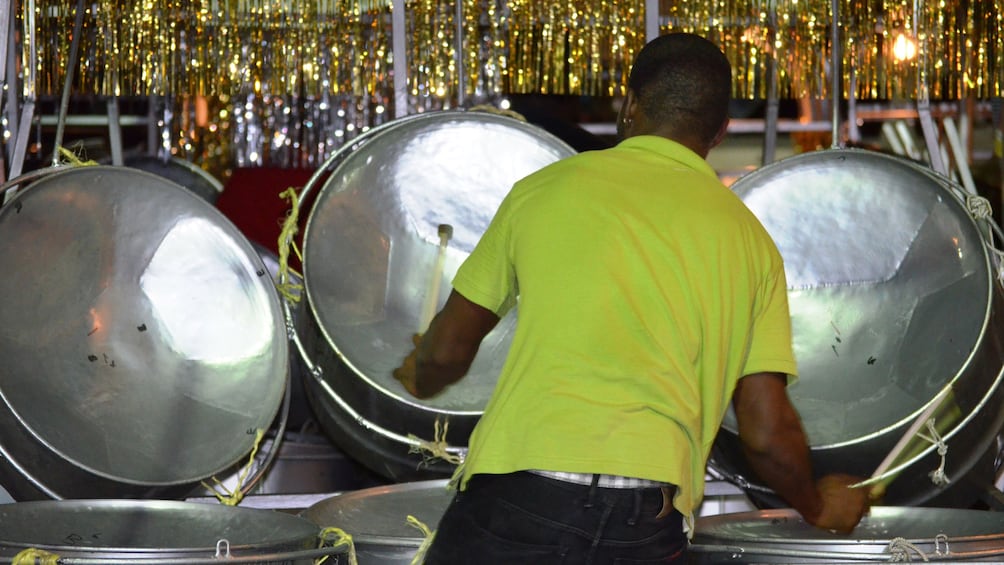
827	538
304	526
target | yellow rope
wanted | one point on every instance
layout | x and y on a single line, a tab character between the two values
233	498
493	110
72	158
341	539
435	449
32	556
290	226
426	543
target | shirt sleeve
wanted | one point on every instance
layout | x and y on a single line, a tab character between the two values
770	344
488	277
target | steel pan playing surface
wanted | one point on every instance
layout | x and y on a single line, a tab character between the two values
142	337
370	246
892	297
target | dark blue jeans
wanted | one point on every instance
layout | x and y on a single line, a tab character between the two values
523	518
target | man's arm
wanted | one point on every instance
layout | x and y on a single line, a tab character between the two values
446	351
775	445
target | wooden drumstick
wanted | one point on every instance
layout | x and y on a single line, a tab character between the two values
878	489
432	293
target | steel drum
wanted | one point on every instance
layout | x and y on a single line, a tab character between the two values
377	518
150	532
143	339
894	299
887	534
370	247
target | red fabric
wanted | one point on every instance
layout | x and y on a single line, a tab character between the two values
251	200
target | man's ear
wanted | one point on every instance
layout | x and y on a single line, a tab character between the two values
720	136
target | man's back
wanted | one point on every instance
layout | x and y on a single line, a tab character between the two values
640	277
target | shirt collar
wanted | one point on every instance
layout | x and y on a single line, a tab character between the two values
669	149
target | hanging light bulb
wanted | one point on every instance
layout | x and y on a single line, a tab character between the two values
904	48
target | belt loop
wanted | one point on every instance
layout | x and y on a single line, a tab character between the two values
637	507
592	491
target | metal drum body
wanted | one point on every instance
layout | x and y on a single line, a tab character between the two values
370	246
185	173
377	518
124	531
887	534
894	297
143	339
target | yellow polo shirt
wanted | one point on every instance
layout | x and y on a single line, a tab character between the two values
646	290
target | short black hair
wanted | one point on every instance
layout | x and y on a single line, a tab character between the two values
683	81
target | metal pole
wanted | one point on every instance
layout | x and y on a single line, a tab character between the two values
398	47
115	131
23	122
6	22
770	124
460	53
835	53
651	20
71	63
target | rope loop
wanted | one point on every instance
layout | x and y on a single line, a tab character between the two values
225	495
72	158
338	538
287	240
428	534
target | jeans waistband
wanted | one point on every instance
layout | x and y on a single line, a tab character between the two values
600	480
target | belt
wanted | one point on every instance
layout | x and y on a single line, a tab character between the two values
615	481
604	481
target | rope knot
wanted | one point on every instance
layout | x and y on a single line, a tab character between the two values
900	550
938	476
437	448
33	556
979	207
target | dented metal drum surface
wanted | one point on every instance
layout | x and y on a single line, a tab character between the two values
887	534
370	249
143	340
130	531
894	298
378	518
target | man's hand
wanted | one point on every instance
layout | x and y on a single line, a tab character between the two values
407	373
843	507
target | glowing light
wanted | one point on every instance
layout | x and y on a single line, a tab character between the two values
904	48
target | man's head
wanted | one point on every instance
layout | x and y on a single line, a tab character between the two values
679	87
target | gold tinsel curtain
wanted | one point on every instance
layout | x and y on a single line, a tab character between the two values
289	47
572	46
958	44
287	82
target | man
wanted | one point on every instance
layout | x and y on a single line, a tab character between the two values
649	298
